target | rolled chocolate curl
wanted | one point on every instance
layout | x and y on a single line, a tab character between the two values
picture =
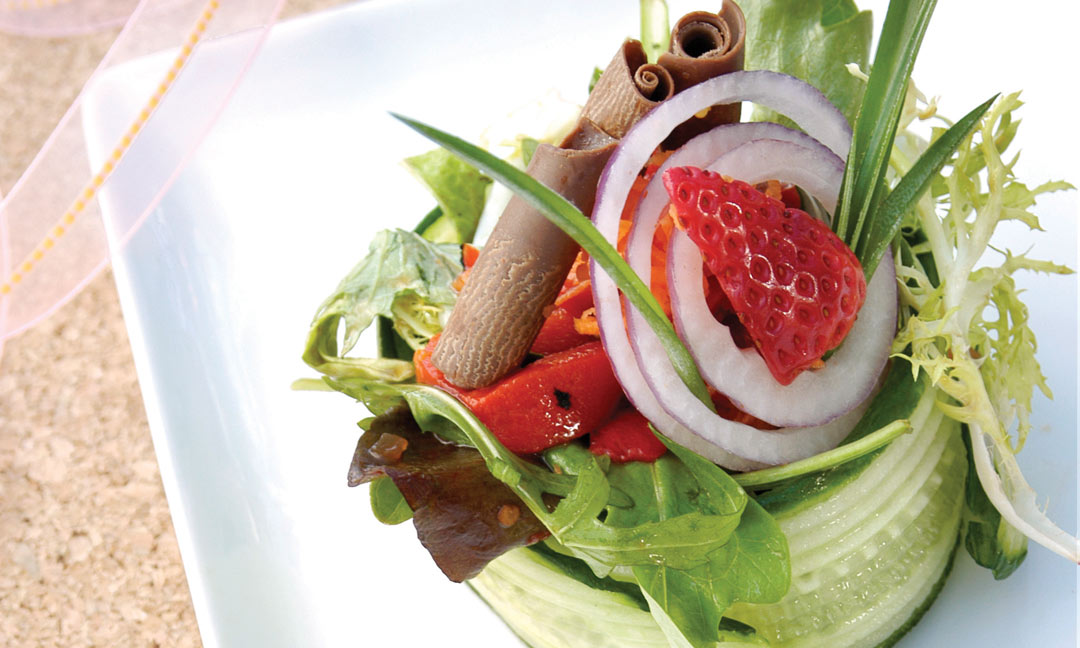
705	45
525	261
629	88
518	273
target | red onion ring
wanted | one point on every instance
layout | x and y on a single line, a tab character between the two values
722	441
819	171
815	397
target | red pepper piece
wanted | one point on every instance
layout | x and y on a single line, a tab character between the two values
789	195
558	332
551	401
469	254
626	437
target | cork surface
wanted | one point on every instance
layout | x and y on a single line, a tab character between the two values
88	555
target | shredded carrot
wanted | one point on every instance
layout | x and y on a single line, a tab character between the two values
658	276
586	324
579	272
772	189
459	281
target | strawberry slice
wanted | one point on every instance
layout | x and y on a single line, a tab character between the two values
792	282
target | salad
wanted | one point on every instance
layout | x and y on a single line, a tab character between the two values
643	537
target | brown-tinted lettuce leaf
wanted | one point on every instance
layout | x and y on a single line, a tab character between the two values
456	502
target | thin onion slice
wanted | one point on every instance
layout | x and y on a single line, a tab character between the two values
1018	505
616	342
727	443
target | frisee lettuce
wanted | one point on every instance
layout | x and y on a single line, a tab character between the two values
965	325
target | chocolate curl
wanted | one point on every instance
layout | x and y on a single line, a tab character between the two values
526	259
629	88
518	273
703	46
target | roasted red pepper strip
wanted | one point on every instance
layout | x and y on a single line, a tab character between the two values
558	332
627	437
551	401
469	255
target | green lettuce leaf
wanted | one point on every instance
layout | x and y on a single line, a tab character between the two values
812	40
677	527
968	330
751	564
387	502
404	278
460	191
992	542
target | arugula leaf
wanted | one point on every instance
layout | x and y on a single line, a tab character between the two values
672	524
682	604
878	118
662	490
404	278
812	40
582	485
689	603
684	540
753	567
722	495
666	489
460	191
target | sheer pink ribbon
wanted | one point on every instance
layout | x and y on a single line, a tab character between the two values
52	236
62	17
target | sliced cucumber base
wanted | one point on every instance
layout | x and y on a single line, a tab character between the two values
867	559
549	609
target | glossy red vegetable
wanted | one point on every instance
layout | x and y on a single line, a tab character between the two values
558	332
627	437
555	399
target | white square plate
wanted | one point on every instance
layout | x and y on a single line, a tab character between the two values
220	284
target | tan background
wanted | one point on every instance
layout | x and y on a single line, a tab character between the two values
88	556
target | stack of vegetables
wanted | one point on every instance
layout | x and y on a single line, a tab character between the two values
755	398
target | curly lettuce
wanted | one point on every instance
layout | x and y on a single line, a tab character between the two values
966	327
